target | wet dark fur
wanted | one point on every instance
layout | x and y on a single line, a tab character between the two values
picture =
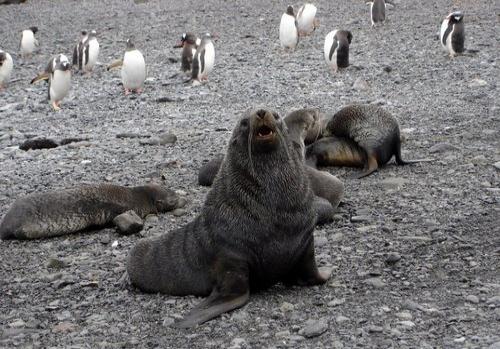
61	212
254	230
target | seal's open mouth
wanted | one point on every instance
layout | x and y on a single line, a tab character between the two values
264	133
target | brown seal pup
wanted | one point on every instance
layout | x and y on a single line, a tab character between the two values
312	120
254	230
335	151
61	212
373	129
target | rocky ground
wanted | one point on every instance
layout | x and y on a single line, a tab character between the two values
415	250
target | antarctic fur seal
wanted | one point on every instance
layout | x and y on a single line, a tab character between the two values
61	212
254	230
372	129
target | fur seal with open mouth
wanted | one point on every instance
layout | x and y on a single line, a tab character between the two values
254	230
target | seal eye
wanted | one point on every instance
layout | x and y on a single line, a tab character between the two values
244	123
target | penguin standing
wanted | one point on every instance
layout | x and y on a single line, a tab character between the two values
306	21
133	69
89	52
58	73
337	49
77	51
289	35
204	59
452	35
189	43
28	42
6	66
377	10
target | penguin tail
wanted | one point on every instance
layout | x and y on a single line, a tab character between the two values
116	64
40	77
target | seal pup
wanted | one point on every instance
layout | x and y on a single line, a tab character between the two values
58	73
289	35
203	60
254	230
55	213
452	34
77	55
6	66
189	43
28	42
372	129
336	49
306	19
89	52
335	151
133	70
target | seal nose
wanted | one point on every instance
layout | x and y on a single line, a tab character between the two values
261	113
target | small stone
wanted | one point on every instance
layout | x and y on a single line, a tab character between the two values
497	165
167	138
360	84
17	323
296	338
495	345
339	319
314	328
393	258
168	321
404	315
54	263
365	229
408	324
64	327
494	300
375	329
357	219
336	302
393	183
336	237
282	334
472	299
374	282
385	308
238	343
114	244
105	239
286	307
128	223
459	340
441	148
477	83
179	212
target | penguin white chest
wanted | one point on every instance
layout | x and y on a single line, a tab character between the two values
209	60
60	83
288	32
133	70
330	50
93	54
305	18
28	42
6	69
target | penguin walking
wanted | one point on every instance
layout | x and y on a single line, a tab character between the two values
336	49
77	51
58	74
133	71
289	35
306	19
203	61
28	42
90	52
377	10
452	35
189	43
6	66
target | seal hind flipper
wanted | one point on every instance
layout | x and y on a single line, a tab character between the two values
371	166
306	272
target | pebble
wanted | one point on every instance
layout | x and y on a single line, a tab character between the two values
357	219
494	300
286	307
335	302
375	329
497	165
179	212
408	324
495	345
64	327
477	83
339	319
337	237
128	223
168	321
17	323
167	138
374	282
472	299
393	258
314	328
441	148
282	334
404	315
393	183
360	84
54	263
365	229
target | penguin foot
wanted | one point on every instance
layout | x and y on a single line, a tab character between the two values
127	92
56	105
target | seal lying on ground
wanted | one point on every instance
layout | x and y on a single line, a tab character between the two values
61	212
254	230
304	126
361	127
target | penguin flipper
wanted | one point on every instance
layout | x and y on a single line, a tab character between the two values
40	77
116	64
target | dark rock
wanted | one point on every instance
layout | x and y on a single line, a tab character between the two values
128	223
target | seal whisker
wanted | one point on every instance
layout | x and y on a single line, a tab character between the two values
249	148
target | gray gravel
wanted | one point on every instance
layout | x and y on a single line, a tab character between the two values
420	269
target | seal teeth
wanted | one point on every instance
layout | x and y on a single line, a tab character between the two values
264	131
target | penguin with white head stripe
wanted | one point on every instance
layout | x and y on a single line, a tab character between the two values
289	35
203	60
28	42
336	49
452	34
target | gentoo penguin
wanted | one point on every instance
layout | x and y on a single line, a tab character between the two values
133	69
452	35
203	60
306	21
377	10
58	73
28	42
289	36
6	65
89	53
189	43
78	49
337	49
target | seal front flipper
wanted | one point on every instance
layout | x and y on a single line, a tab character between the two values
231	291
306	272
